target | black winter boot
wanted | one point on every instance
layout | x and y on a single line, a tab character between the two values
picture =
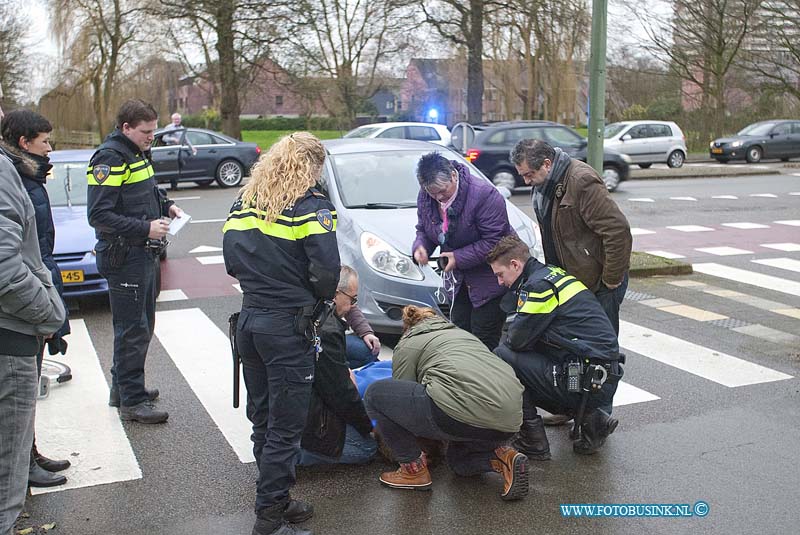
596	427
51	465
113	396
270	521
298	511
532	440
39	477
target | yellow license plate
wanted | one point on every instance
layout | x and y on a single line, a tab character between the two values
716	151
73	275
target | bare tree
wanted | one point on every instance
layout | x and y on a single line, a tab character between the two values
12	52
346	42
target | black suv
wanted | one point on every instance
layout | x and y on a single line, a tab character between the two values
489	151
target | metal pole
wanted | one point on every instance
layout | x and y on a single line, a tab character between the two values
597	84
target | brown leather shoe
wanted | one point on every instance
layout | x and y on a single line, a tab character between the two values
412	476
513	466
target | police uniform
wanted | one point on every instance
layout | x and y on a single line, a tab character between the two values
284	268
123	199
558	320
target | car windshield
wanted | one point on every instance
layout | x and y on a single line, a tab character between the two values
758	129
613	129
66	183
364	131
386	179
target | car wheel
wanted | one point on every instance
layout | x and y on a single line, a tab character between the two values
675	159
504	178
754	154
229	173
203	183
645	165
611	178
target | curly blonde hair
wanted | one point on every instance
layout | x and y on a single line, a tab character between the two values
283	174
413	315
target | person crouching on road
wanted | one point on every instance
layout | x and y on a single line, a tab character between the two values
558	321
446	385
280	243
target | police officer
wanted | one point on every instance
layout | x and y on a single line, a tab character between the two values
280	243
128	210
558	321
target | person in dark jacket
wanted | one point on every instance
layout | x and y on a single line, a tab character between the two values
26	136
280	243
465	217
558	321
337	428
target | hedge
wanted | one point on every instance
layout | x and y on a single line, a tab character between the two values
272	123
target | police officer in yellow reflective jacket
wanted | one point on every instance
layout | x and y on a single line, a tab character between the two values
280	243
559	323
128	211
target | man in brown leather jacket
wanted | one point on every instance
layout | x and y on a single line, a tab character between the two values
583	229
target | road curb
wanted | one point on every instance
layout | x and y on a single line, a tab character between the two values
648	265
707	173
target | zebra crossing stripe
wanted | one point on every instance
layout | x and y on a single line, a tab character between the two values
627	394
789	264
75	422
776	284
202	353
698	360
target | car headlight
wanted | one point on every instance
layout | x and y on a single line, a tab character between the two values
385	259
626	158
736	144
711	145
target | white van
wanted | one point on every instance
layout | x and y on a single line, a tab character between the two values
647	142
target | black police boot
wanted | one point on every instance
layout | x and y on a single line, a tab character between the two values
113	396
596	427
144	412
51	465
39	477
270	521
532	440
298	511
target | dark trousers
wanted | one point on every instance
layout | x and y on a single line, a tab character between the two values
132	294
611	300
404	412
485	322
278	372
536	371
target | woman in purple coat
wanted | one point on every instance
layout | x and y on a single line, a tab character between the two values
465	216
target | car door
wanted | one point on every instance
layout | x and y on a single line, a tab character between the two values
794	148
659	142
202	164
779	144
636	146
165	155
564	138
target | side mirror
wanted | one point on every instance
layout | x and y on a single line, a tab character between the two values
504	191
626	137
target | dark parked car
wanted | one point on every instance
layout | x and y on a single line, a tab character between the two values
766	139
202	156
489	151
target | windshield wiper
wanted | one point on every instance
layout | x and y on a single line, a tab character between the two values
382	205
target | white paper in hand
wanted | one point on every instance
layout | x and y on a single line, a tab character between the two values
177	223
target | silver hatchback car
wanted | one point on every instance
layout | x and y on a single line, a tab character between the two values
373	185
647	142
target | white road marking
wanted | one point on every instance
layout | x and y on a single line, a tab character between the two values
205	249
753	278
789	264
658	302
202	353
665	254
641	199
627	394
732	197
683	199
698	360
795	192
641	231
787	247
692	313
745	225
688	284
208	260
690	228
171	295
238	287
767	195
723	251
790	222
75	422
769	334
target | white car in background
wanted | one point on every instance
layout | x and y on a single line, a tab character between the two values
431	132
647	142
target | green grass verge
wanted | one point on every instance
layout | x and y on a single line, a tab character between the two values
265	138
647	265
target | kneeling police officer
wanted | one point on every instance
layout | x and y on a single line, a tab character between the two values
561	345
280	243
